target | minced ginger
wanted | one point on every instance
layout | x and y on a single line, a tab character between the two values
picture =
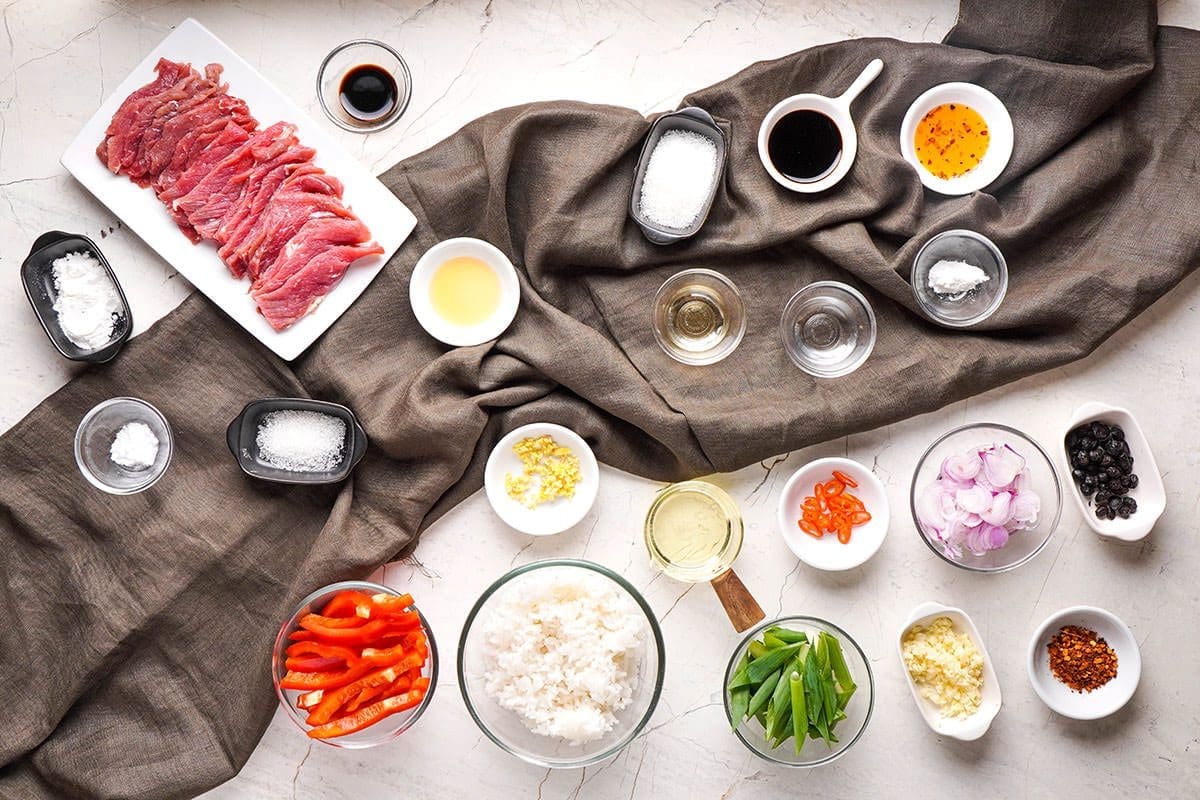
549	471
946	666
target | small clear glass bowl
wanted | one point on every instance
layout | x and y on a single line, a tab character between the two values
386	729
94	439
1022	545
971	307
858	710
686	301
828	329
505	727
357	53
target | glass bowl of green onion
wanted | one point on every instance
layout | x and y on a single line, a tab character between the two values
798	691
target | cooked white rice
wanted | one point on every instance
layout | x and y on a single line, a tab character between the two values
562	652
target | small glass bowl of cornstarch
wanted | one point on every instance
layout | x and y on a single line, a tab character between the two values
296	440
123	445
959	278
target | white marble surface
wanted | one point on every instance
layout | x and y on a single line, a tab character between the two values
58	59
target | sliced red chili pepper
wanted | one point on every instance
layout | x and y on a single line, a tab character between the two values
367	716
844	478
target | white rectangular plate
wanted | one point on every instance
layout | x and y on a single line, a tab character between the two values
389	220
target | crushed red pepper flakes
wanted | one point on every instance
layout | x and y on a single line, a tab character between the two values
1081	659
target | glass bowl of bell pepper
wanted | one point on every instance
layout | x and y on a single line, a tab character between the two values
356	664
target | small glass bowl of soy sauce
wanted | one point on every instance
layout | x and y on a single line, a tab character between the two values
364	86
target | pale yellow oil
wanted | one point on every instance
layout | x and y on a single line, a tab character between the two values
691	537
465	291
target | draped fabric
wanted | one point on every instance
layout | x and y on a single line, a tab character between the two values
137	631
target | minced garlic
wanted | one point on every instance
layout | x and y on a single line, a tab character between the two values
946	667
549	471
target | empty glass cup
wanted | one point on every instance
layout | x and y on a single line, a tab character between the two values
828	329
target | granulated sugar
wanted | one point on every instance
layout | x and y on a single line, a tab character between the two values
301	441
679	178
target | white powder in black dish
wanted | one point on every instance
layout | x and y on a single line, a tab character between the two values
301	441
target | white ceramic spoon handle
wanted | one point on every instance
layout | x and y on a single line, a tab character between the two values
864	79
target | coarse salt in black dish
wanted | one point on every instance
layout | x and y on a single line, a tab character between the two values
242	438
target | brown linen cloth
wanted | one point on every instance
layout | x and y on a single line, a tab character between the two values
137	630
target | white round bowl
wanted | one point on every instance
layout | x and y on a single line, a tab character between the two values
457	335
828	553
549	518
1000	135
1108	698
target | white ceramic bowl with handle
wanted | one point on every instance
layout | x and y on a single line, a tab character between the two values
828	553
1101	702
1150	494
1000	136
965	728
837	109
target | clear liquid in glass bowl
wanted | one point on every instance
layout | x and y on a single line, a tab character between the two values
698	317
828	329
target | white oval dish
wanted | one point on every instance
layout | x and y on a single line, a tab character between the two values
1108	698
548	518
828	553
433	323
967	728
1000	135
1150	494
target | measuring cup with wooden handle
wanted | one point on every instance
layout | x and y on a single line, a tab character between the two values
693	532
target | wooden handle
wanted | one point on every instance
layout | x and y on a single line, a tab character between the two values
743	610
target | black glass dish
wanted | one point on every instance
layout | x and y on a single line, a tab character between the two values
242	438
37	276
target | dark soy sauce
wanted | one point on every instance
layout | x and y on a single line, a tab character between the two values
368	93
805	146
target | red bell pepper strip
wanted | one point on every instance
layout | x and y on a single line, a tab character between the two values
390	603
333	701
360	636
307	681
346	604
324	650
313	663
301	636
367	716
308	620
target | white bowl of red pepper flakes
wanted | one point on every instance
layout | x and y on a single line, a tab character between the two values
1084	662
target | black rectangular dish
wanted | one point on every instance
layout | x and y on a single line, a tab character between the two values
693	119
37	276
242	438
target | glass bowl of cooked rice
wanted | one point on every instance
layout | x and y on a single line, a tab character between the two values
561	663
